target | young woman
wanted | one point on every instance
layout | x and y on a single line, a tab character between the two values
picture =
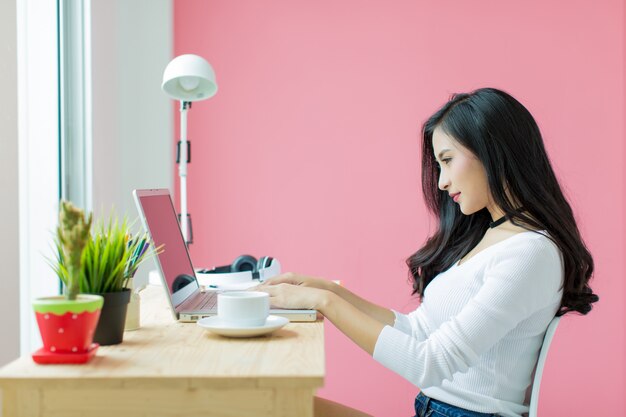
507	257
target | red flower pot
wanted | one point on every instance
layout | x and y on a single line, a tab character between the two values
67	326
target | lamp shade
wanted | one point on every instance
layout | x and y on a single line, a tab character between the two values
189	78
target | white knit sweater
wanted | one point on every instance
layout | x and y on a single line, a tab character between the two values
475	339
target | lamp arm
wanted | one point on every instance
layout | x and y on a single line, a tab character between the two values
182	168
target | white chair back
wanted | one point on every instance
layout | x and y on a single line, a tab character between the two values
543	354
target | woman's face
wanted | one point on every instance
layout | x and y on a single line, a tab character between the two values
462	175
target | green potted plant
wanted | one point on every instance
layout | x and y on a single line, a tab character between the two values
67	323
110	259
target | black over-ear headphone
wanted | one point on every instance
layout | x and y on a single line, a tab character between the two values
250	263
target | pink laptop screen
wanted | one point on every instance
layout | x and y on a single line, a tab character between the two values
162	222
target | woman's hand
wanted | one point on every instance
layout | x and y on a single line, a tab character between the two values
291	296
296	279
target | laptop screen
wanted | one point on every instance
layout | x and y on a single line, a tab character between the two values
161	222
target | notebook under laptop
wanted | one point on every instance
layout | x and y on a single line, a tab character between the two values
187	301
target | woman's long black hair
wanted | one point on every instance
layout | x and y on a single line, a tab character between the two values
503	135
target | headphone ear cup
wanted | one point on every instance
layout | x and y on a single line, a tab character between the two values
244	263
264	262
182	281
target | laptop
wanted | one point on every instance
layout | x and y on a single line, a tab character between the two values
189	303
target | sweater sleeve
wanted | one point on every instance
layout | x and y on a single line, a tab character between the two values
413	324
517	283
402	322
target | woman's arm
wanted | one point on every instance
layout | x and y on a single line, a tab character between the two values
359	326
379	313
351	320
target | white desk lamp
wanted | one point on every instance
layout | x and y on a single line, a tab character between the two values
187	78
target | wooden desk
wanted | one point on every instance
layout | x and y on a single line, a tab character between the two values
167	369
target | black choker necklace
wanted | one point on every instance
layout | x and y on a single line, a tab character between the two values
498	222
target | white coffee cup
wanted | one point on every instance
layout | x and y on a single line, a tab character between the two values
243	308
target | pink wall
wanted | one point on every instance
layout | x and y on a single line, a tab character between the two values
309	152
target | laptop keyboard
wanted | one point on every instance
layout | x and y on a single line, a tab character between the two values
202	301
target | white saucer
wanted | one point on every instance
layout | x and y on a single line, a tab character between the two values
215	325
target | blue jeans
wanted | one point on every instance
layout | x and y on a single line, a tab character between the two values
427	407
